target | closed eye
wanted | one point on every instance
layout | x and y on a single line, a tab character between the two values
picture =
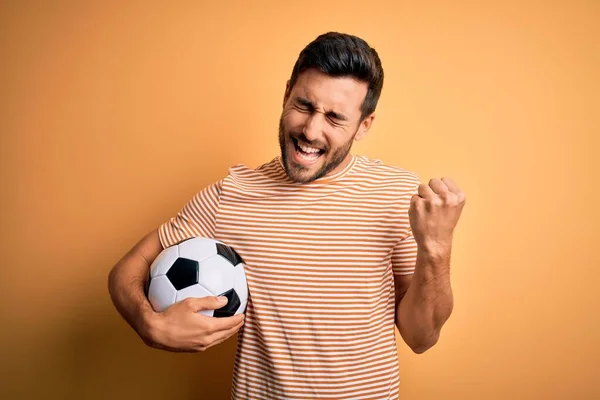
333	120
304	104
303	107
332	115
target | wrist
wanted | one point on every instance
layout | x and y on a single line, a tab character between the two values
434	259
148	324
435	250
433	264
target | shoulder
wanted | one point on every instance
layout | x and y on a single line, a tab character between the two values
266	173
376	171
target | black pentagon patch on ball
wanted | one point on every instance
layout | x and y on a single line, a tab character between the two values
229	254
183	273
231	307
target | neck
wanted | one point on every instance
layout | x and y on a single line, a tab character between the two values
341	166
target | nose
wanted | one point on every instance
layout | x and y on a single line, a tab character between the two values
313	126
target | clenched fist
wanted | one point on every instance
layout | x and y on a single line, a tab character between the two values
434	213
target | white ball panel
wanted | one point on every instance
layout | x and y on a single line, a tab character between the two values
195	291
216	274
240	285
161	293
163	261
198	248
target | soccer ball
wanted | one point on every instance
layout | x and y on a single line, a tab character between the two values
199	267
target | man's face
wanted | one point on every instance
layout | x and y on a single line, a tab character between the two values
319	122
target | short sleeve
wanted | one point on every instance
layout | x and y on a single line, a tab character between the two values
404	254
195	219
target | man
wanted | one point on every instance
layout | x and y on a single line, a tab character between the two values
338	248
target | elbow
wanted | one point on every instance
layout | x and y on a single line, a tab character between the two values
111	284
111	276
112	280
421	346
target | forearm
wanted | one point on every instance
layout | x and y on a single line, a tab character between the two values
126	285
428	302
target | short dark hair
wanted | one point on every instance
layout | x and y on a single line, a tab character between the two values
340	54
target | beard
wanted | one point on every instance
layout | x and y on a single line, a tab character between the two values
299	173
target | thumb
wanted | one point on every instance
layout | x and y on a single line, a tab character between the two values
207	303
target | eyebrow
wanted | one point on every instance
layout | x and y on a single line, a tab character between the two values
305	102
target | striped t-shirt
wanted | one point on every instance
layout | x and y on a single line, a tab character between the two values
320	259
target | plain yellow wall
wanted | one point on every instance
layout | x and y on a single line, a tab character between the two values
113	114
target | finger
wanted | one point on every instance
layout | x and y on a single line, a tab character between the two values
438	186
221	336
205	303
221	340
452	186
223	324
425	191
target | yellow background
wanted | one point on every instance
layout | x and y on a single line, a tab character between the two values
113	114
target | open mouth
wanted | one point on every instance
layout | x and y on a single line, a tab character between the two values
307	153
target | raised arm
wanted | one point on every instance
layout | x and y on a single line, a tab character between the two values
424	301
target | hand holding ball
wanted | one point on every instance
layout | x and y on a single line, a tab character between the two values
199	267
185	281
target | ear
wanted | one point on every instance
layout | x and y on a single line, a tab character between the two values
286	94
364	127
